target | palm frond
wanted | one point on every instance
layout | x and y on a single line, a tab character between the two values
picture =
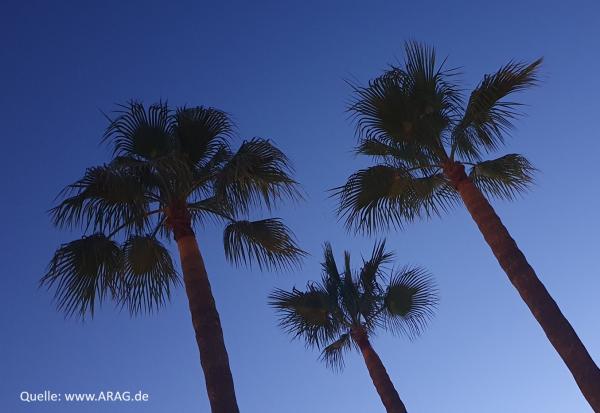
383	196
104	199
210	208
202	132
373	198
166	177
350	293
217	160
137	131
504	177
409	301
433	195
371	268
206	172
149	274
410	105
83	273
307	314
427	78
258	173
331	275
403	155
488	116
268	243
333	354
369	286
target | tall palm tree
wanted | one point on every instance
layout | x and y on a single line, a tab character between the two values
171	171
343	310
412	122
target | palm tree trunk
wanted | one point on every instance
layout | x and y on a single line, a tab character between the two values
384	386
545	310
205	318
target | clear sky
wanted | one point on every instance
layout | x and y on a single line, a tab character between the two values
279	69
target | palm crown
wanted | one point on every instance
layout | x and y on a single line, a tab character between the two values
167	164
411	120
327	314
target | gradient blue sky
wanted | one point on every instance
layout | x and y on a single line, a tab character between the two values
279	68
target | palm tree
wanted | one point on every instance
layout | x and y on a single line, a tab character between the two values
412	122
171	171
346	308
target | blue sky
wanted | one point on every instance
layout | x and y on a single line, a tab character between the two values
279	69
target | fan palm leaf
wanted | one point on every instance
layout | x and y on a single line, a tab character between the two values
267	242
504	177
84	272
